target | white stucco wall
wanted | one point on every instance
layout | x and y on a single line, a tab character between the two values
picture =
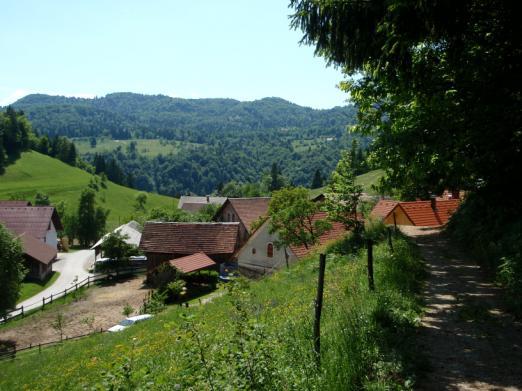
51	238
259	260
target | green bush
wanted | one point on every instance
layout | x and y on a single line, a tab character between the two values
175	290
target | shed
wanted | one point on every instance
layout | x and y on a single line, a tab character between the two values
193	263
132	229
432	213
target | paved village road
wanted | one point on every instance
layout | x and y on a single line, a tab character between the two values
73	267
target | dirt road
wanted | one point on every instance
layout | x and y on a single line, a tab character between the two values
470	341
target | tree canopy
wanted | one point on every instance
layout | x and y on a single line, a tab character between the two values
291	215
12	270
436	83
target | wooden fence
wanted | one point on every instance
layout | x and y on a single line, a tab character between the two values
24	310
10	352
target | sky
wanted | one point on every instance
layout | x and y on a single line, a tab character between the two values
240	49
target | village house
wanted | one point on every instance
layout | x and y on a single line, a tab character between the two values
164	242
260	254
131	231
36	227
433	213
194	204
245	211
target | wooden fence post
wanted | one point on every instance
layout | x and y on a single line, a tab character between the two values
88	280
51	297
22	311
390	243
318	309
43	303
370	265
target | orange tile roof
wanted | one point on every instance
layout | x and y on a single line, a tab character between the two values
383	208
249	209
422	214
192	263
189	238
336	232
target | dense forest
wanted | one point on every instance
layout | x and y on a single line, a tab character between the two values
222	140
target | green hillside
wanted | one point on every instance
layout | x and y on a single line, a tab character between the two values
257	336
365	180
35	172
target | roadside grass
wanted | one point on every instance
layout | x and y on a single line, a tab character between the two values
258	336
146	147
31	288
35	172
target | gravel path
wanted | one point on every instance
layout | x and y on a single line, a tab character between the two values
470	342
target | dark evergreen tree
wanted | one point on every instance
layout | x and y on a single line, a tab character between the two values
317	180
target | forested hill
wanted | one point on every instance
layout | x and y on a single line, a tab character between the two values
205	143
129	115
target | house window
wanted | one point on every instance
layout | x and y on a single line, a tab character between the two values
253	250
269	250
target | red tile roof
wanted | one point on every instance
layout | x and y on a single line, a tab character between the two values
249	209
192	263
33	220
189	238
336	232
422	214
37	249
383	208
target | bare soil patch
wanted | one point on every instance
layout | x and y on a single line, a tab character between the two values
470	341
103	304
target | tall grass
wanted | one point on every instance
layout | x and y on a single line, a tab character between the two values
258	336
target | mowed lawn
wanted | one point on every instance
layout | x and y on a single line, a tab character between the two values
146	147
31	288
35	172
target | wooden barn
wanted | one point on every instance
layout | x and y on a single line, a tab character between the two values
164	242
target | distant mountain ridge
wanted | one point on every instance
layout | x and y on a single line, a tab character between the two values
158	116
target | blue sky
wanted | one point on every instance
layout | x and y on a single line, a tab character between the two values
241	49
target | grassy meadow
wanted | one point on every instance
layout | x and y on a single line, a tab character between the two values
146	147
257	336
365	180
35	172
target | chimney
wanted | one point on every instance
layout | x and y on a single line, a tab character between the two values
433	200
208	199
